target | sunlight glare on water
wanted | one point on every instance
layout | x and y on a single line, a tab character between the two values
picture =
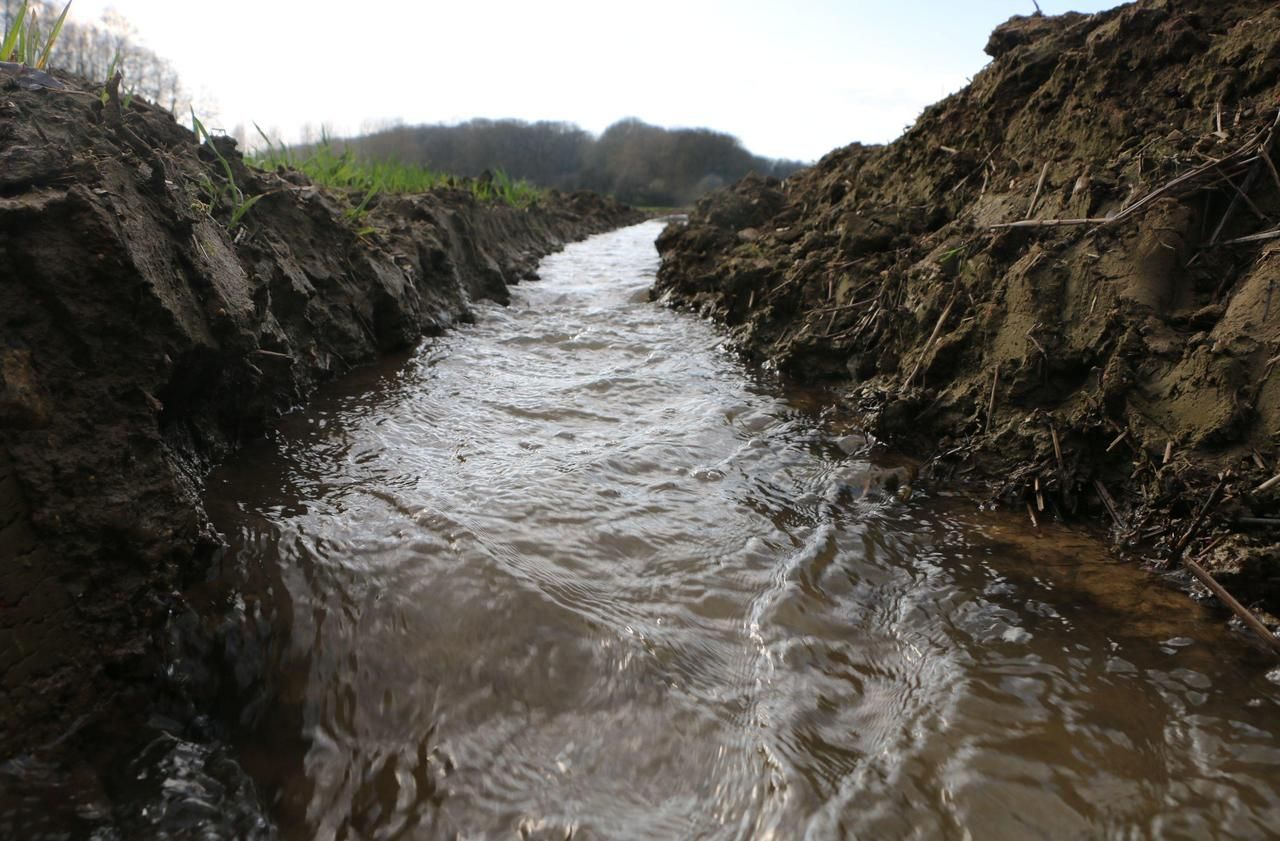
575	571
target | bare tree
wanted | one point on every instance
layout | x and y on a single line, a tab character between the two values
95	50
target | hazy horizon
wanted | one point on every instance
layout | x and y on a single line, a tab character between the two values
792	80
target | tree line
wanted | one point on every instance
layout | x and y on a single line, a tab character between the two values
638	163
96	50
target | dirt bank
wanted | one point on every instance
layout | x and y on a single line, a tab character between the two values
143	338
1048	281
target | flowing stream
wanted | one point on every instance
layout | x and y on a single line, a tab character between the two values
576	572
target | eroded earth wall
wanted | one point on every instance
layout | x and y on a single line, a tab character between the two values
142	337
1062	279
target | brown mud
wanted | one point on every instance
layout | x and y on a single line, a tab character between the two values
1051	283
141	342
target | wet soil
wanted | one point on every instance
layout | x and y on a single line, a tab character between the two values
1052	283
142	338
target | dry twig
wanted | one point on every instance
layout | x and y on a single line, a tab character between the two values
933	337
1051	223
1268	485
1209	503
1035	197
991	402
1265	235
1108	502
1246	615
1057	451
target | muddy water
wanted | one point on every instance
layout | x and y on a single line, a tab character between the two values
573	571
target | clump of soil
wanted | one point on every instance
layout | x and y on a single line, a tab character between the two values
1062	279
142	337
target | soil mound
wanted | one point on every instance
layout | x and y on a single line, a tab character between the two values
1064	277
143	335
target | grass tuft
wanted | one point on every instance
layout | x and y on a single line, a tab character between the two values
326	166
24	42
228	191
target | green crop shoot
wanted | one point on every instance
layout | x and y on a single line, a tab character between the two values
23	40
10	43
328	167
53	37
125	100
228	192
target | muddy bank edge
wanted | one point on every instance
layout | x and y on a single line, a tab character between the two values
1051	283
143	341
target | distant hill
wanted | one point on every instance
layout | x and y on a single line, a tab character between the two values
636	162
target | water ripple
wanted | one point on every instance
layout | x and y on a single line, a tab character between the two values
573	572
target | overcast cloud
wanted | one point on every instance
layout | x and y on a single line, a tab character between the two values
791	79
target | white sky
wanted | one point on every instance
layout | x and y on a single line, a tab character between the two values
790	79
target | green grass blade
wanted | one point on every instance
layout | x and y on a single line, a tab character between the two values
361	210
53	36
271	148
22	41
30	35
197	128
245	207
11	37
202	136
226	168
